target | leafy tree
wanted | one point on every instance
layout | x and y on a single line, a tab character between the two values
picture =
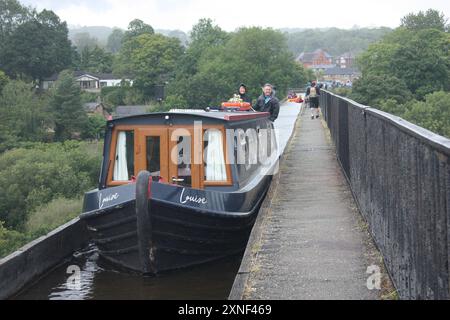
204	36
150	58
115	39
136	28
12	14
251	55
23	115
95	128
408	63
95	60
433	113
175	102
65	103
37	48
431	19
3	80
372	89
423	62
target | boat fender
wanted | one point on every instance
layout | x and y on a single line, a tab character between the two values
144	222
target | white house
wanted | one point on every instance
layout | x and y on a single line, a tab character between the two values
89	81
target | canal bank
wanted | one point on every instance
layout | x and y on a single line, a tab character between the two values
309	241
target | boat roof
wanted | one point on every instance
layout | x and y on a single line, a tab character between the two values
226	116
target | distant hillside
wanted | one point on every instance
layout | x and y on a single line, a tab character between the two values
102	33
335	41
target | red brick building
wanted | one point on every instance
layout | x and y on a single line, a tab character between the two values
318	58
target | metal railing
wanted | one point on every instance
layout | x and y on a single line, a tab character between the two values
399	174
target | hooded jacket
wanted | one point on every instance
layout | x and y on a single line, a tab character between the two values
244	96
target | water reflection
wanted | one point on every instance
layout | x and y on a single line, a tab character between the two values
93	280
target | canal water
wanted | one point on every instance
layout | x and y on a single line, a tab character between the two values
85	277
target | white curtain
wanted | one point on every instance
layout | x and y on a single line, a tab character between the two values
121	166
215	160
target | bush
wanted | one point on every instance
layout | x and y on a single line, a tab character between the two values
52	215
10	240
343	91
432	114
95	128
175	102
32	177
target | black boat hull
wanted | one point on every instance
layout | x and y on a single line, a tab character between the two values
181	227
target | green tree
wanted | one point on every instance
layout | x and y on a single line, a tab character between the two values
3	80
431	19
23	115
251	55
115	39
37	48
372	89
12	14
95	128
136	28
95	60
433	113
204	36
65	103
418	58
150	58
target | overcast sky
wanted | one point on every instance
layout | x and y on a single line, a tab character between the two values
231	14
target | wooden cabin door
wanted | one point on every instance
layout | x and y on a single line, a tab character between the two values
152	153
168	154
183	170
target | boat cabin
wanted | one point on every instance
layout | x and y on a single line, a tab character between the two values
194	149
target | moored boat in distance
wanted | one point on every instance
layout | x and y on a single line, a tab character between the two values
201	178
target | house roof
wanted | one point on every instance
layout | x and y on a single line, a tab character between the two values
91	106
308	57
323	66
340	71
79	73
318	51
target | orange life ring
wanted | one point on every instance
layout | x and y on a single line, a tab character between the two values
243	106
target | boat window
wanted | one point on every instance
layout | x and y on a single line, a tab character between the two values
215	167
124	158
184	161
153	157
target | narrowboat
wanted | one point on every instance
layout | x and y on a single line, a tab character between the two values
180	188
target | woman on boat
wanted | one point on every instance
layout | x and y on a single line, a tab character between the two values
243	93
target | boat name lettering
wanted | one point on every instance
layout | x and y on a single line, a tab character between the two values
109	198
195	199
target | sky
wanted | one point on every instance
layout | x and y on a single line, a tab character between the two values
232	14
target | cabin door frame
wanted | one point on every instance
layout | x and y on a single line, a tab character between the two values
141	150
195	155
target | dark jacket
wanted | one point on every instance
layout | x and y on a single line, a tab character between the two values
272	106
245	98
